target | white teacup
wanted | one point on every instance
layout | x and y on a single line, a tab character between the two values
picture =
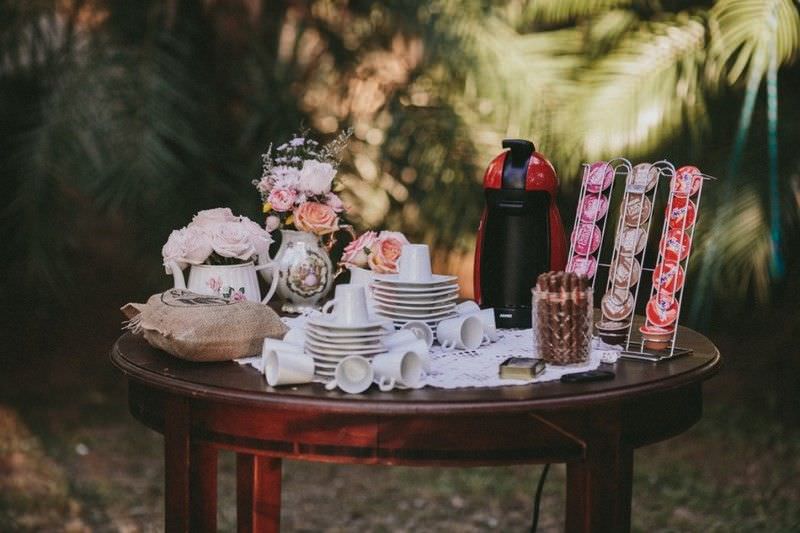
486	316
421	330
283	367
414	263
280	345
398	338
353	375
462	332
349	305
296	336
402	366
467	308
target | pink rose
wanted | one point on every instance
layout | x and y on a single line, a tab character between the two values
282	199
386	252
316	218
333	200
272	223
208	219
214	284
355	253
186	246
259	237
233	240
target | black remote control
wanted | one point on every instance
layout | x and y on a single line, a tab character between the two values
585	377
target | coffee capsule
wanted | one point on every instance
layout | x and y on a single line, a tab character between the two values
637	209
686	182
662	309
586	238
681	213
625	271
643	178
593	208
599	176
583	265
668	276
612	326
656	338
675	245
632	241
617	305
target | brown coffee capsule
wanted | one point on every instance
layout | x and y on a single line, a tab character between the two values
617	305
637	210
625	272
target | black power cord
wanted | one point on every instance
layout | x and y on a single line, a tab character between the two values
538	499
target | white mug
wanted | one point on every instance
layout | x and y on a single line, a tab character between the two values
349	305
402	366
421	330
486	316
414	263
462	332
277	344
296	336
403	336
467	308
353	375
283	367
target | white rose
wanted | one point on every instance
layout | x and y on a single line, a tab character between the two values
172	251
259	237
316	177
233	240
208	220
285	178
196	246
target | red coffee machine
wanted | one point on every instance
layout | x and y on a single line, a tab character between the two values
520	234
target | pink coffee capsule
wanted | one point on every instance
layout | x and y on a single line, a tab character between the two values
583	265
593	208
675	245
599	176
586	239
668	276
662	310
687	181
681	213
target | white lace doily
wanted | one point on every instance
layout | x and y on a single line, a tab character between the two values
480	367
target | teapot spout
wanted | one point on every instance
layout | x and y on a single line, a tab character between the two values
177	275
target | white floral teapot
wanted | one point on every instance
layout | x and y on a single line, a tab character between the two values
235	282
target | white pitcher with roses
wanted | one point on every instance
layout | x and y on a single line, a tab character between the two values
221	250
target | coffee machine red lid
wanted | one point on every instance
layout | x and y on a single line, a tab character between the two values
539	174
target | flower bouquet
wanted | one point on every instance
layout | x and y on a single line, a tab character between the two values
373	252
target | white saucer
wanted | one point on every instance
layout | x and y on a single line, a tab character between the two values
415	291
323	349
415	305
423	314
326	322
325	333
431	322
315	352
344	341
395	279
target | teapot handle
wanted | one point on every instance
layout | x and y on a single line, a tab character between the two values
274	285
177	275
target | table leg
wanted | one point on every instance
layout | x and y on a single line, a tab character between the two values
258	493
203	493
177	424
599	490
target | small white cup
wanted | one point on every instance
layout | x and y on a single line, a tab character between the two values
467	308
296	336
349	305
403	336
402	366
353	375
462	332
421	330
280	345
414	263
486	316
282	367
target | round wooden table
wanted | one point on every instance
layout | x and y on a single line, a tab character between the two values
592	427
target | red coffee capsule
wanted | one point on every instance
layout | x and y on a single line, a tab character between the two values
655	330
599	176
675	245
593	208
583	265
643	178
662	310
586	238
668	276
681	213
687	181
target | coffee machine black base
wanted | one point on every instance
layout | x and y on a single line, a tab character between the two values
512	317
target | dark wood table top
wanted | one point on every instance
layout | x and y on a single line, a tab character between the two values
242	384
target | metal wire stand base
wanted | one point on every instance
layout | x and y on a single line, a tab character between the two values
654	356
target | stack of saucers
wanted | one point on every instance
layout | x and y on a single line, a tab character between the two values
348	330
415	293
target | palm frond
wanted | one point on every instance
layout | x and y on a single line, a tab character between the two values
747	31
647	89
561	11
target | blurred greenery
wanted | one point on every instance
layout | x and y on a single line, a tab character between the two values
120	119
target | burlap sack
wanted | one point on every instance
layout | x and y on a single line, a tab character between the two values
197	327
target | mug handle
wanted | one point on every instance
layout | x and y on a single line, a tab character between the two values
331	384
274	285
386	384
328	306
448	345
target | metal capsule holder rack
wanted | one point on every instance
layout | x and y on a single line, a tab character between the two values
641	188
